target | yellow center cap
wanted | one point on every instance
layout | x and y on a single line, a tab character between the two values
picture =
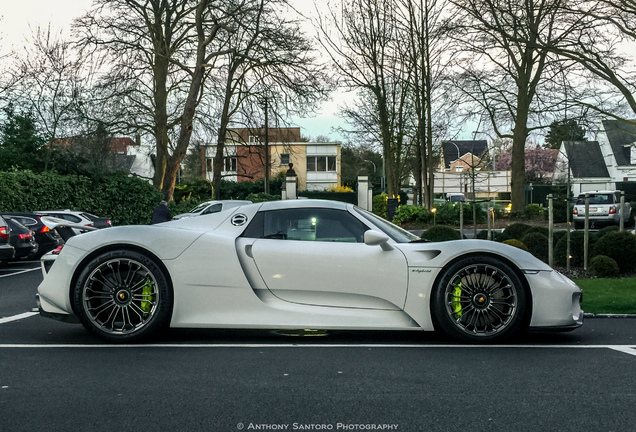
122	296
481	299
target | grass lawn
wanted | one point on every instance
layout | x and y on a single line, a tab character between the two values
611	296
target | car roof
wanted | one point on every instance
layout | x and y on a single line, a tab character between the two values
598	192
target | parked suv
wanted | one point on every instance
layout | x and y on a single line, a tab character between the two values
7	252
604	209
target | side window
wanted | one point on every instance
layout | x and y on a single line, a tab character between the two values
310	224
214	208
26	221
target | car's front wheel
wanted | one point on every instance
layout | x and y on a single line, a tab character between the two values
479	299
123	296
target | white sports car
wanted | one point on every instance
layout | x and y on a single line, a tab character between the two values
300	264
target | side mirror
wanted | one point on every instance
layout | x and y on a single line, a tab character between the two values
376	238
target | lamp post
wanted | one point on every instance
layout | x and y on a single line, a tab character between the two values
266	147
434	211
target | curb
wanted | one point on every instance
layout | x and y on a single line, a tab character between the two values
591	315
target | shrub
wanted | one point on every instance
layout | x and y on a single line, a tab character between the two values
448	214
537	245
557	236
621	246
340	189
262	197
412	214
533	210
440	233
538	229
576	249
603	266
380	206
516	230
198	189
125	200
608	229
516	243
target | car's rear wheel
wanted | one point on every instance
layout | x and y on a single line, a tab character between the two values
479	299
123	296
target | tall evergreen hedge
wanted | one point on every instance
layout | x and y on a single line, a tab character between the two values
125	200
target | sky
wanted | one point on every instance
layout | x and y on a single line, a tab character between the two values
19	18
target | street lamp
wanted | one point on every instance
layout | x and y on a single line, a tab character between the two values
434	211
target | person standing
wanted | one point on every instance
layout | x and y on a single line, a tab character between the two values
161	213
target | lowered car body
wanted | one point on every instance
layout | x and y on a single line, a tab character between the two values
300	264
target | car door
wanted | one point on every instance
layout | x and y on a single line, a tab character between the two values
317	256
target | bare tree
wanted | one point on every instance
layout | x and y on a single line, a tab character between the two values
509	62
602	46
271	66
52	80
362	40
423	25
161	53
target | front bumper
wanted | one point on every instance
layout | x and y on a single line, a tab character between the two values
556	301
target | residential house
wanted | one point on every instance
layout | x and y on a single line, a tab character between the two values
463	153
317	165
603	163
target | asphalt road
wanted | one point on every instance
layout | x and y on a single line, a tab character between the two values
56	377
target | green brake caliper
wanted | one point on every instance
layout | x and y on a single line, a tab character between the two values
456	304
146	293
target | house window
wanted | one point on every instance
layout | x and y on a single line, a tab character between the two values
284	159
321	163
209	162
252	139
230	163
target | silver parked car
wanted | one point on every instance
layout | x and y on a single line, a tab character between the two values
210	207
604	209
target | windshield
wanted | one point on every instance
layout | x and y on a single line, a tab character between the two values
398	234
603	198
199	208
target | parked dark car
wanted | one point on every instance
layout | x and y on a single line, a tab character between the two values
7	252
46	238
22	240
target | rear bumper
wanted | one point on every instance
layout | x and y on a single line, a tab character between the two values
56	316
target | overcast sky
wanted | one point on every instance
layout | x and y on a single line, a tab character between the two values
18	18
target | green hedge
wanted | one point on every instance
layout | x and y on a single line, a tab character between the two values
125	200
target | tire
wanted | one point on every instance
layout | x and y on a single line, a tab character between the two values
123	296
480	299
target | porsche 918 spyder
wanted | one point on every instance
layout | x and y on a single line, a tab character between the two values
300	264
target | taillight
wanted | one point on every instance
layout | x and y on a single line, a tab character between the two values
612	210
4	233
57	250
44	229
575	211
25	236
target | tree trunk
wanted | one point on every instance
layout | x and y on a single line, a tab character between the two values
518	162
